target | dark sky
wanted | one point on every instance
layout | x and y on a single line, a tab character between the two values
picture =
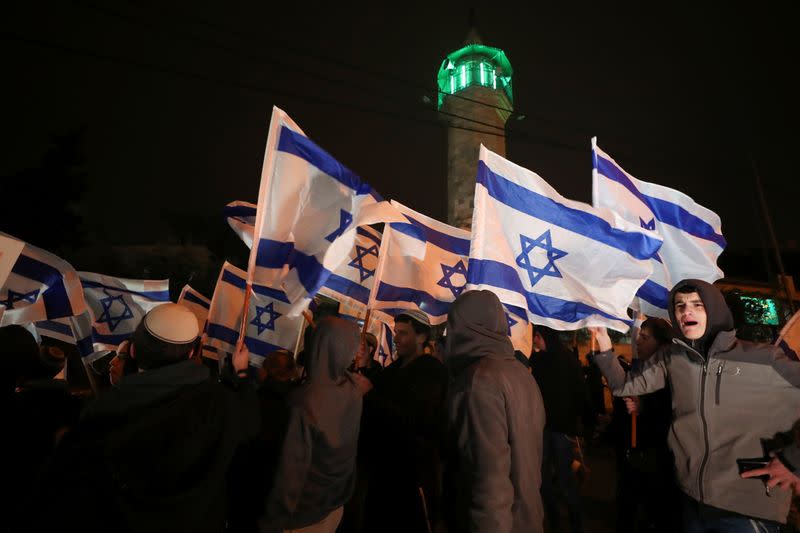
174	101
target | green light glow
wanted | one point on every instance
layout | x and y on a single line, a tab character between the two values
760	310
476	64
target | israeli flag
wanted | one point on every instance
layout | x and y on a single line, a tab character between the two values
196	303
241	217
269	326
117	305
76	330
352	282
519	329
384	354
567	264
423	265
36	285
309	206
692	234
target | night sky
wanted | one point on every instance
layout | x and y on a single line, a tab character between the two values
171	104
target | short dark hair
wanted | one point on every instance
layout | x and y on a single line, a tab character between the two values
419	328
687	289
151	352
662	331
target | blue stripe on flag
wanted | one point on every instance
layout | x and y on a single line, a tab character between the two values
55	327
301	146
426	302
481	271
156	296
665	211
110	339
518	311
368	234
260	347
223	333
85	346
55	297
232	279
192	298
634	243
654	294
348	287
275	254
241	211
275	294
421	232
56	300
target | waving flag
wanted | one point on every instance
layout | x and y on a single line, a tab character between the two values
36	285
269	326
384	354
692	234
117	305
569	265
241	217
196	303
309	206
519	329
423	265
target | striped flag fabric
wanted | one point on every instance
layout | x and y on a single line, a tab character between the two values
269	325
36	285
117	305
196	303
567	264
692	233
309	206
422	265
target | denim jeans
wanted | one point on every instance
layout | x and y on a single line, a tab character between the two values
557	458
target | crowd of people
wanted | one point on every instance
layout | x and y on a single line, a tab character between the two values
459	434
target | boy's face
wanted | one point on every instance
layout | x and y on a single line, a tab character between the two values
690	314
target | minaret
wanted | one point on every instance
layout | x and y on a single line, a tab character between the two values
474	83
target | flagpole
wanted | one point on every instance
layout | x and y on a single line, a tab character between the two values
246	307
307	317
768	219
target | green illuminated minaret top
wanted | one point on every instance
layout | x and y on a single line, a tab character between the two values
475	64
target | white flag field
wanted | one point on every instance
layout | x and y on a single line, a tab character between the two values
309	206
692	233
567	264
196	303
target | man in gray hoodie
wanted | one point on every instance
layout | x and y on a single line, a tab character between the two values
727	394
496	416
316	471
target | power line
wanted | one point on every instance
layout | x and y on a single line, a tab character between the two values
239	85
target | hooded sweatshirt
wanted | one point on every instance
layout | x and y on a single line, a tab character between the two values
316	471
497	418
727	394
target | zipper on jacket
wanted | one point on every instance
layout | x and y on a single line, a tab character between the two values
719	382
705	430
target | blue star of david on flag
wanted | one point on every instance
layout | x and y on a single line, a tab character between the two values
270	324
345	219
448	273
14	296
510	321
648	225
358	261
107	317
553	254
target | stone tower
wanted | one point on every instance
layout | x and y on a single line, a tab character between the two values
474	87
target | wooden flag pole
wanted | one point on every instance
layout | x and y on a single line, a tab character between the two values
633	430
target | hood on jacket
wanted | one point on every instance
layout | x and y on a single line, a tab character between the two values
718	314
333	348
476	328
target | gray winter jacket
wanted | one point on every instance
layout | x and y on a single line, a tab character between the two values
497	418
727	394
